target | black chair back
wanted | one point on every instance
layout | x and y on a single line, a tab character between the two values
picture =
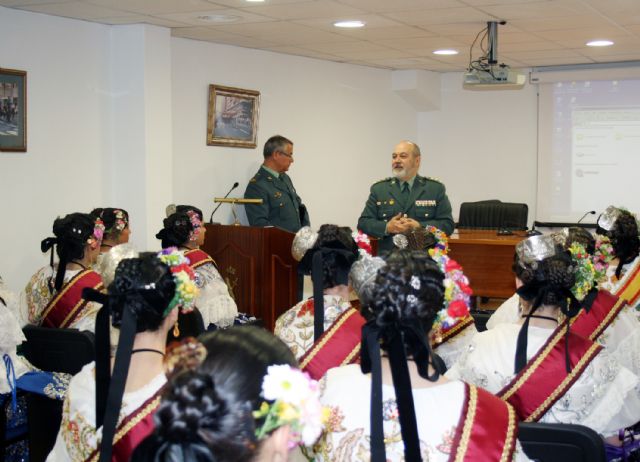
52	350
58	350
493	214
560	442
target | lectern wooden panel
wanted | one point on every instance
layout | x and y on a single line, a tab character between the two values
258	267
486	259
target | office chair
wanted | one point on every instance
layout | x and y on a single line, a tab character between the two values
560	442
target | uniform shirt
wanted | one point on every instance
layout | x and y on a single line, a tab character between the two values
281	206
428	204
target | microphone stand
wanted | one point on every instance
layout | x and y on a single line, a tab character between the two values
235	185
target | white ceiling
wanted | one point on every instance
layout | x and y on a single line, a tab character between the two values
399	34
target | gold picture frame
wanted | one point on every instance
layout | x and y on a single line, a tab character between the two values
232	118
13	110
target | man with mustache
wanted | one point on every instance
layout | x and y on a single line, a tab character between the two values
405	201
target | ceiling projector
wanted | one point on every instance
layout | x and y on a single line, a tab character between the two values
495	77
484	73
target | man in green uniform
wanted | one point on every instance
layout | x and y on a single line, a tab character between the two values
281	206
405	201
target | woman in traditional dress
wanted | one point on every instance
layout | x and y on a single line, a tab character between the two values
618	244
53	296
184	229
559	376
109	406
326	255
373	406
245	402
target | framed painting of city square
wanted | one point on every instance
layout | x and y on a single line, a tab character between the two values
232	117
13	110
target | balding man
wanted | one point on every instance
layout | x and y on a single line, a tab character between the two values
406	200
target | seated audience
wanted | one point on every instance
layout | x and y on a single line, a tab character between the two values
53	296
558	377
184	229
327	255
397	405
245	402
618	245
109	409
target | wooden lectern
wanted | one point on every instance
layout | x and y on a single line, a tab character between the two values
257	265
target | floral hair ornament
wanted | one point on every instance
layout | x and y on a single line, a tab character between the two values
457	297
196	223
186	354
363	242
604	253
183	277
585	271
98	232
120	223
291	398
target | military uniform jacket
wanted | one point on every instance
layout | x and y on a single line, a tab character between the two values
281	205
428	204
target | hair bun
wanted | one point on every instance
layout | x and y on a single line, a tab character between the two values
191	404
47	243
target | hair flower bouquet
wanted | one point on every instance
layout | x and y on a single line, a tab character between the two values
291	398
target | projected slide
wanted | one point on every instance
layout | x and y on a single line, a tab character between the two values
588	148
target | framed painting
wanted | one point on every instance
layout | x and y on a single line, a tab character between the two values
13	110
232	117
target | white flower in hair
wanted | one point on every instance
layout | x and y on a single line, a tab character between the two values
412	298
415	282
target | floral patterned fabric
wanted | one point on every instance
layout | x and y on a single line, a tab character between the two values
605	397
78	437
36	296
214	301
295	326
347	392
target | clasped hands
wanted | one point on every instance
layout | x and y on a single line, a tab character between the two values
400	224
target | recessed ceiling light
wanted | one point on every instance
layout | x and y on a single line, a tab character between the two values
219	18
446	52
349	24
599	43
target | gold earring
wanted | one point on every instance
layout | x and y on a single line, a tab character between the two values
176	330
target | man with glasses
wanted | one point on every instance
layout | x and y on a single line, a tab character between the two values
281	206
405	201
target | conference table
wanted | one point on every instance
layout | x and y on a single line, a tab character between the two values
486	259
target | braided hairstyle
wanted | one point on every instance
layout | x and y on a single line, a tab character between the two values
546	282
207	414
624	237
176	231
71	235
335	264
145	286
396	302
108	217
190	208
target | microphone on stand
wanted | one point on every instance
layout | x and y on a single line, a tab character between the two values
235	185
590	212
533	231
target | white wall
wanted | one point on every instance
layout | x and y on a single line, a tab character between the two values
344	121
482	144
68	109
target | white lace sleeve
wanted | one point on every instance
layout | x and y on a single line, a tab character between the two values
453	348
508	312
604	398
622	339
214	301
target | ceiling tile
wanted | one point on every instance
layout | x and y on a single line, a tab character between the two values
383	6
557	61
497	2
331	48
244	3
539	54
76	9
441	16
561	23
380	33
282	31
617	58
155	7
142	19
16	3
530	10
202	33
305	10
424	45
378	54
620	43
193	18
528	46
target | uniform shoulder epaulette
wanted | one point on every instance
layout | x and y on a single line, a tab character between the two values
433	179
383	180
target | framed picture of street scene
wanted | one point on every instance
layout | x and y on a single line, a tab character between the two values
233	117
13	110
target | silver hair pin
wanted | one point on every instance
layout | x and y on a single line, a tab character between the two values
607	219
400	241
305	239
364	271
536	248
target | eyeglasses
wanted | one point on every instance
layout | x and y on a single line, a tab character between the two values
290	156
